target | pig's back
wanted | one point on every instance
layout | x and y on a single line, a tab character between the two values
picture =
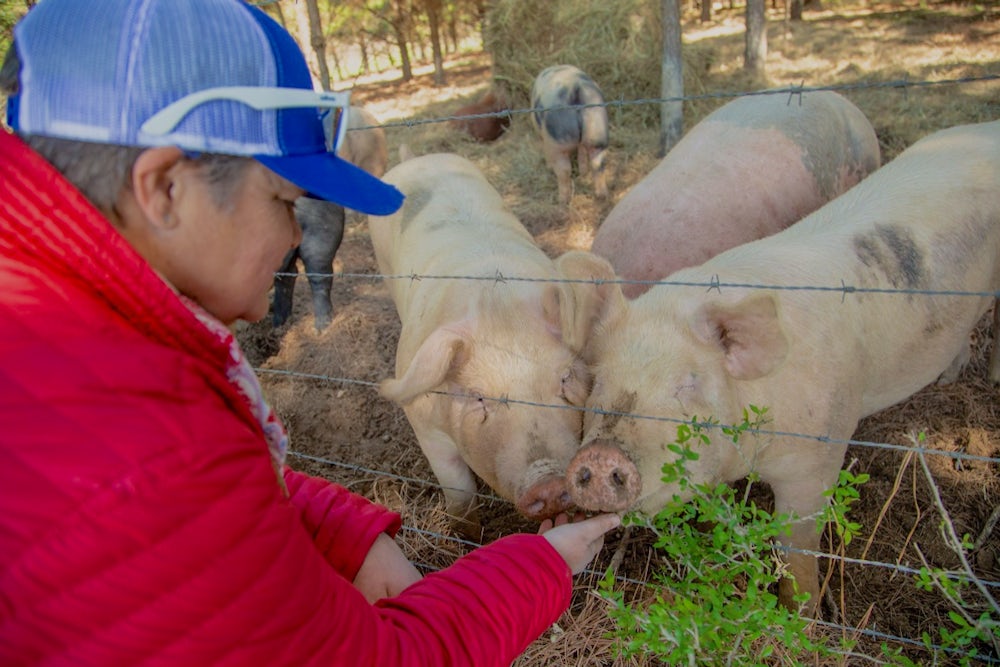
928	221
452	223
748	170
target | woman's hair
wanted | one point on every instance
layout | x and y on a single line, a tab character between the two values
101	171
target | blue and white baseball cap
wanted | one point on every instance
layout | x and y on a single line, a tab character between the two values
216	76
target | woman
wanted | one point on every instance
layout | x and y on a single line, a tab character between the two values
146	513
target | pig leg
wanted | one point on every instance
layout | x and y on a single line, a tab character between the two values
322	232
583	160
802	568
457	481
596	159
800	494
284	288
558	157
995	354
954	369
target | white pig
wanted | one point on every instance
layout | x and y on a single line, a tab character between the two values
749	169
364	142
479	340
819	361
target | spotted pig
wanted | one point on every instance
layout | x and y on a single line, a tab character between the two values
565	131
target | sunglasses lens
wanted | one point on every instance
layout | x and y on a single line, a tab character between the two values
334	126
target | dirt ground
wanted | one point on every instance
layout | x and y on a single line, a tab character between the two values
322	384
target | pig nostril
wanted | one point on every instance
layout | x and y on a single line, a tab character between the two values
618	479
583	477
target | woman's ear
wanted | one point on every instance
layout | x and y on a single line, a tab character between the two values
153	184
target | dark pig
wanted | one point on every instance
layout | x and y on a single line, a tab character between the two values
485	128
565	131
322	225
322	222
748	169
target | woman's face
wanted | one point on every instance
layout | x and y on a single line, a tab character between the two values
231	250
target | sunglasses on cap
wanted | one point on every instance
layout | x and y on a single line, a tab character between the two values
332	107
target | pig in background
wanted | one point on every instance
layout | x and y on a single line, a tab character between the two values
747	170
568	131
465	343
819	361
486	128
364	143
322	223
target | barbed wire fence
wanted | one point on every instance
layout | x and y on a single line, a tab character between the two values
846	290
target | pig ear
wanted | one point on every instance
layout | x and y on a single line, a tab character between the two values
440	354
582	305
748	334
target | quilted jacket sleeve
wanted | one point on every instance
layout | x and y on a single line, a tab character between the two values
343	525
138	531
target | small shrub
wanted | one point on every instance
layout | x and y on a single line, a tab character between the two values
714	602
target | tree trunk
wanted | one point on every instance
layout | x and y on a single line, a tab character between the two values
795	10
672	82
366	67
398	21
336	64
433	8
706	11
318	42
399	29
756	38
303	38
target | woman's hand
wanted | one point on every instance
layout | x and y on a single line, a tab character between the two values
385	572
578	541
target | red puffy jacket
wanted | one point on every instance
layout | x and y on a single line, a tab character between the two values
140	518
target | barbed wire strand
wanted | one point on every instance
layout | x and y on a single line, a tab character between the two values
469	544
496	499
713	285
958	456
792	91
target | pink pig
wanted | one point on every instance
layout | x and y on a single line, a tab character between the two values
749	169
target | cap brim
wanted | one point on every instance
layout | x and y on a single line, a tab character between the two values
326	176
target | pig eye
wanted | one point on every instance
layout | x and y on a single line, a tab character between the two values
575	384
476	406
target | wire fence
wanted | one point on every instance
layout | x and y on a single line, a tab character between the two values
844	289
596	575
793	93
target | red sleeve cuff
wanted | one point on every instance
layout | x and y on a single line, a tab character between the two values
342	524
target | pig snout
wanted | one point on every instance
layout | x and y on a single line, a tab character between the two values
545	499
601	478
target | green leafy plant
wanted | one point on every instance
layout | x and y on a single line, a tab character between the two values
713	601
